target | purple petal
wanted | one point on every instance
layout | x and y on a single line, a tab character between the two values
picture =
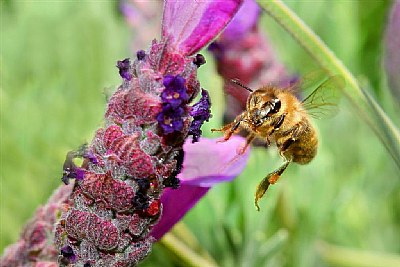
392	47
191	26
176	203
206	163
245	19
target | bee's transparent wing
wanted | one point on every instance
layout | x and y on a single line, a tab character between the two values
310	81
323	100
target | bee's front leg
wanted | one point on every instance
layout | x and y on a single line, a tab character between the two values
267	141
271	178
249	139
276	124
230	128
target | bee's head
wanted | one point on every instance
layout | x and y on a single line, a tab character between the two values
261	107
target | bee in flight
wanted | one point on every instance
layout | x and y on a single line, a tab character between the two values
275	114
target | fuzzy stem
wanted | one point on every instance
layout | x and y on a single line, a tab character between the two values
366	106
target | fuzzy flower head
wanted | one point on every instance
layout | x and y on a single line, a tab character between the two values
116	199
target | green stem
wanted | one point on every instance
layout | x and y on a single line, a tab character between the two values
183	233
366	106
187	256
345	257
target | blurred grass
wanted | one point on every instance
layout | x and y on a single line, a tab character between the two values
56	60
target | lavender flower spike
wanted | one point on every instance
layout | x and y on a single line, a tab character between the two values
205	165
116	195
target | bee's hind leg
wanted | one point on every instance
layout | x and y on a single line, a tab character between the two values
271	178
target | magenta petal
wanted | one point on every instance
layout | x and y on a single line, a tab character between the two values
208	162
176	202
191	25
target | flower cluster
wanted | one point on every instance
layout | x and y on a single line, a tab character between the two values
200	112
174	99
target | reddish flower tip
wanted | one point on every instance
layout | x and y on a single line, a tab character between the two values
154	208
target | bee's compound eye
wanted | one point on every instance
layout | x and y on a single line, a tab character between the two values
275	105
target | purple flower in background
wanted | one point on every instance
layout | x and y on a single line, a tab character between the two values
144	17
205	165
243	52
106	218
392	48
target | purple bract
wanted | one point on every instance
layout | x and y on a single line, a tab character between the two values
243	52
206	164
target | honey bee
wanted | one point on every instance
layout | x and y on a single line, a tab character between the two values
275	114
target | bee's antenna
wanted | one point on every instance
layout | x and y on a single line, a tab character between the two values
237	81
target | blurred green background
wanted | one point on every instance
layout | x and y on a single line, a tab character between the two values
57	60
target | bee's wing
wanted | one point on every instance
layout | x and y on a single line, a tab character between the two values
322	102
